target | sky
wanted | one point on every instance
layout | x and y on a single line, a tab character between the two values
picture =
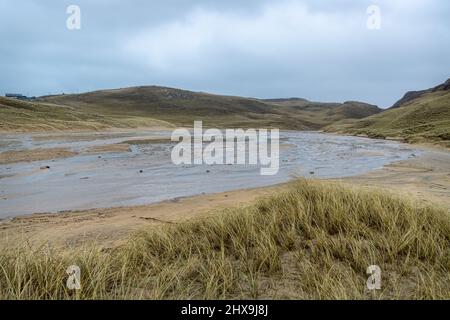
321	50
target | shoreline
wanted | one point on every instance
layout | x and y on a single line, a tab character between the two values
428	146
425	177
111	226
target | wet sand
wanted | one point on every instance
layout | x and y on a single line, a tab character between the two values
118	147
111	227
35	155
135	168
425	176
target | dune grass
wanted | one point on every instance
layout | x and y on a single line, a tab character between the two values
314	241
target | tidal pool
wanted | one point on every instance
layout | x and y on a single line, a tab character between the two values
146	174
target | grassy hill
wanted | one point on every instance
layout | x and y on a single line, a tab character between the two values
16	115
411	95
421	116
314	241
181	107
322	113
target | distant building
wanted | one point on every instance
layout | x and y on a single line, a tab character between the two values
15	95
18	96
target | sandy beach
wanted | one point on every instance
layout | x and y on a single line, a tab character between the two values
426	177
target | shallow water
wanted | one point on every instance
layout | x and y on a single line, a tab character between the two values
87	181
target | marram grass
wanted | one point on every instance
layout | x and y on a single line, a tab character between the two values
314	241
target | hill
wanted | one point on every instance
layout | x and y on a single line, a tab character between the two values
24	116
179	107
182	107
411	95
421	116
323	113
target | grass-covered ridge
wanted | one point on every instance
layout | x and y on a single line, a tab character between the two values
182	108
16	115
159	106
422	119
315	240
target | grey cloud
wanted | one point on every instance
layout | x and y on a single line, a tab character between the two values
319	50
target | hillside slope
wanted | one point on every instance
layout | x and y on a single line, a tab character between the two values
181	107
324	113
23	116
423	118
411	95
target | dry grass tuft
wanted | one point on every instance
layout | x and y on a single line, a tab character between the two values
314	241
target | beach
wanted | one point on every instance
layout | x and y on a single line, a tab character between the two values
426	177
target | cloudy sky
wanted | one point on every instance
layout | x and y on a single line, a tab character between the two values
320	49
